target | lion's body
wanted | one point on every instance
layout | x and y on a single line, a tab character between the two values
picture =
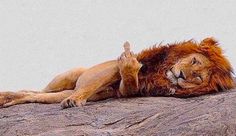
125	77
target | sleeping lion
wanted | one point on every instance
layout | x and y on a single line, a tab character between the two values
183	69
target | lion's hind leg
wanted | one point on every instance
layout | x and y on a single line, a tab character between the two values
64	81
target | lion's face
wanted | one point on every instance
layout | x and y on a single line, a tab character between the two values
191	71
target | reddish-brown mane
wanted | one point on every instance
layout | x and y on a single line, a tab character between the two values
158	59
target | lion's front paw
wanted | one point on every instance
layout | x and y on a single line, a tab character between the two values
72	102
128	63
11	98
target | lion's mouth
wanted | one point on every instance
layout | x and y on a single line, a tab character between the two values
174	79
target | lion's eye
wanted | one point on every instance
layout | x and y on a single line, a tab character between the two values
197	75
195	61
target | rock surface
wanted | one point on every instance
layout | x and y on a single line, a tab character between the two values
213	115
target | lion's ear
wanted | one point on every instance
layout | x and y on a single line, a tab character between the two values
208	42
209	46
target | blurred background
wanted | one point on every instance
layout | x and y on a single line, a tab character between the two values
42	38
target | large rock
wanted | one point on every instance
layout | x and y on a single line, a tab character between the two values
206	115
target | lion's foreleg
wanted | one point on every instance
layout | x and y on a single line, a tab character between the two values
49	98
129	68
13	98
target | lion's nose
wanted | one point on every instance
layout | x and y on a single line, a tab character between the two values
181	75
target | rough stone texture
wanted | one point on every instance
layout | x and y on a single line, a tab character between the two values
206	115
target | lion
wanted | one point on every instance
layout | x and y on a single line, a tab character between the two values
184	69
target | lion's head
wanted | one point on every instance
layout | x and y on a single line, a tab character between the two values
189	67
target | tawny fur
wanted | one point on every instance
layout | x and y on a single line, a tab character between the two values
144	74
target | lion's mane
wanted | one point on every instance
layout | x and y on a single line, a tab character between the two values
158	59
